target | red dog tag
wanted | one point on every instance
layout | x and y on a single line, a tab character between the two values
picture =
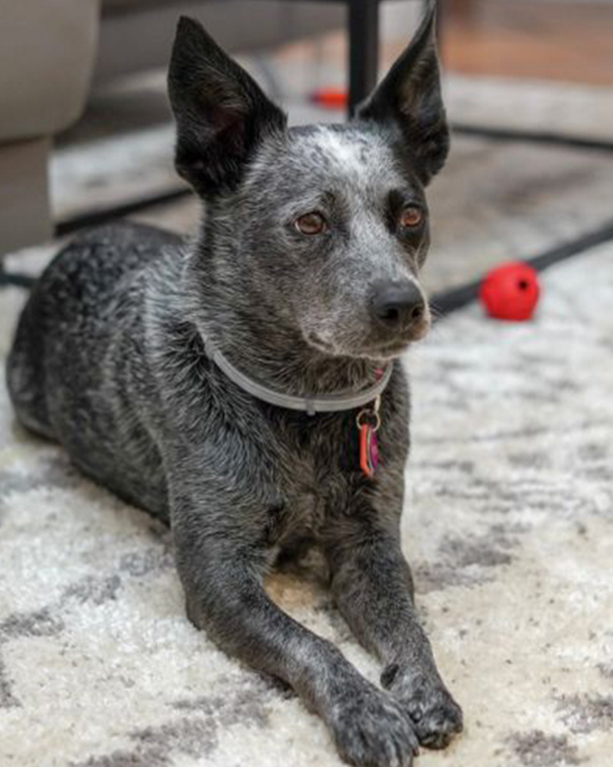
368	422
369	451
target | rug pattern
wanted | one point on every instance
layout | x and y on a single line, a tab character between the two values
508	524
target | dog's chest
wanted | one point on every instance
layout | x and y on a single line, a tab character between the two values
304	495
318	470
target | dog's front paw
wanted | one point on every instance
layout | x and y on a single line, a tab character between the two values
372	730
435	715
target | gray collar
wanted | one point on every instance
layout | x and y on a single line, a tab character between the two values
325	403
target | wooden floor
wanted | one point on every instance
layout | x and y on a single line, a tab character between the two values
570	41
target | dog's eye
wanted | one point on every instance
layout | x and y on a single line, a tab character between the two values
311	223
411	217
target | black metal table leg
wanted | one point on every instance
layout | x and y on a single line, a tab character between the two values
363	49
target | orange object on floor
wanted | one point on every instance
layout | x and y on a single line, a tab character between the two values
332	98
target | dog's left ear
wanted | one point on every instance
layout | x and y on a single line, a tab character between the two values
410	97
220	111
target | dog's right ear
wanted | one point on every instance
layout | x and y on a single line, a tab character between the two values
221	112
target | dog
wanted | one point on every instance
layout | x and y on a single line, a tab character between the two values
245	388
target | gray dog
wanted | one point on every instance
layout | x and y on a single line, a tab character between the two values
245	389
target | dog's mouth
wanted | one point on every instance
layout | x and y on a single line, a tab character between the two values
384	350
389	350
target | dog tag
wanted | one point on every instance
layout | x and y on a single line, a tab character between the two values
368	422
369	451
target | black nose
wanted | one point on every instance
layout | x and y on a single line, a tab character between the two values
398	304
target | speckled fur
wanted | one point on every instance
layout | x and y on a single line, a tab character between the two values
109	360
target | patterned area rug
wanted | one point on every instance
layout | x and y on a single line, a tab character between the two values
509	526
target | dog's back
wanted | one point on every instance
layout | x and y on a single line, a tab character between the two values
65	355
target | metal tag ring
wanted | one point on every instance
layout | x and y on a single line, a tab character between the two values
360	420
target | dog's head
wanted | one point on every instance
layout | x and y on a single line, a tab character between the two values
320	230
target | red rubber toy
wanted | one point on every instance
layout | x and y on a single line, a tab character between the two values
510	292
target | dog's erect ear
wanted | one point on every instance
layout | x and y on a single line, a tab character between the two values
221	112
410	97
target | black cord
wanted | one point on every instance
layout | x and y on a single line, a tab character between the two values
16	280
533	137
102	215
448	301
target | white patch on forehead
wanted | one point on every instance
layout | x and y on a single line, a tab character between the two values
342	149
364	161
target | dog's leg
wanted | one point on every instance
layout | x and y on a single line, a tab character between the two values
372	584
220	568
